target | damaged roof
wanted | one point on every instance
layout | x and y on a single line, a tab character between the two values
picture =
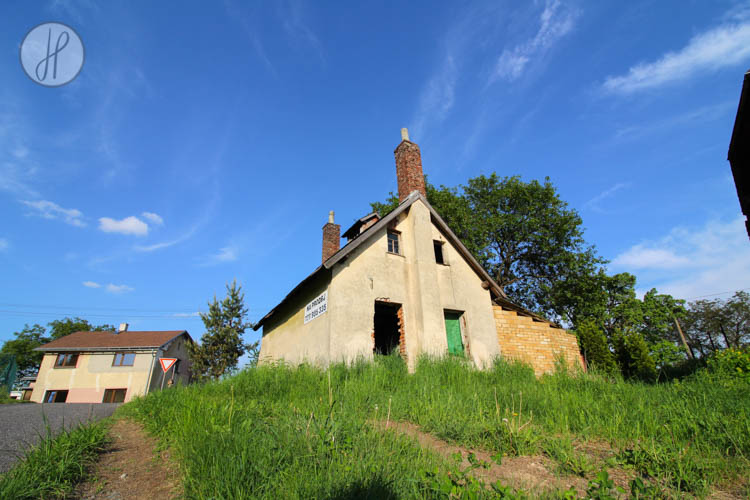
498	296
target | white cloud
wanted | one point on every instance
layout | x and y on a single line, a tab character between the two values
437	97
154	218
725	45
594	202
91	284
691	262
228	253
186	315
4	244
555	21
128	225
118	288
50	210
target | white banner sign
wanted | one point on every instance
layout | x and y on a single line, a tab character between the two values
318	306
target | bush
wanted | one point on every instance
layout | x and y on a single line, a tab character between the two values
731	363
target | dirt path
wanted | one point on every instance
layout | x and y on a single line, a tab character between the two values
131	469
529	473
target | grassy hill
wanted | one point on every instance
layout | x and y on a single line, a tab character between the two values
282	432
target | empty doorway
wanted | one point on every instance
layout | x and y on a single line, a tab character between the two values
387	333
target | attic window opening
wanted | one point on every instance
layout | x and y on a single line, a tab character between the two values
393	243
387	326
66	361
439	258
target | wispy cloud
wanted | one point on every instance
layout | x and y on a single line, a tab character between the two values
690	261
594	203
128	225
720	47
4	244
155	219
228	253
555	21
437	97
187	315
50	210
703	115
251	31
118	288
298	30
111	288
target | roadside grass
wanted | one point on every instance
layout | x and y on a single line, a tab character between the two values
52	468
294	432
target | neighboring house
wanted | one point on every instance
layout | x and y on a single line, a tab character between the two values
405	282
27	386
109	367
739	151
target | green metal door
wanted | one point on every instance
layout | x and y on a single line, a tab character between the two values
453	330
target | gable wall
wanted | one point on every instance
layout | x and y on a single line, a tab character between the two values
423	287
287	337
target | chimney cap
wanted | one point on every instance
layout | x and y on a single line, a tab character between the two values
330	217
404	134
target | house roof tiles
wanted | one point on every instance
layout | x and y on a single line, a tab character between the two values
112	341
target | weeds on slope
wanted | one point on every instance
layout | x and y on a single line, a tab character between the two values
51	468
278	431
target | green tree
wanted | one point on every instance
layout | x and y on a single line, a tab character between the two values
633	356
31	337
221	346
595	346
522	233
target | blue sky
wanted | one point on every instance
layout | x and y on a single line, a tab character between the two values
205	142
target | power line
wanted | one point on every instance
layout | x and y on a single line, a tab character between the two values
97	315
715	294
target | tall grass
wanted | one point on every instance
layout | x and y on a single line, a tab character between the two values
278	431
53	467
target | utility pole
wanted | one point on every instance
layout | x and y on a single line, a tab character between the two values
682	336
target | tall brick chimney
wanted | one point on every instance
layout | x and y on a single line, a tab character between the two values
331	237
408	167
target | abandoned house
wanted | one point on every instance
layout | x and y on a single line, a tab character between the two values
405	282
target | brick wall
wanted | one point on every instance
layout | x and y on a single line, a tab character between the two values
534	342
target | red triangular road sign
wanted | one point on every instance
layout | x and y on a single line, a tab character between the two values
166	363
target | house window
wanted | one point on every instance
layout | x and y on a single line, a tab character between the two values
393	246
114	395
439	257
55	396
66	361
124	359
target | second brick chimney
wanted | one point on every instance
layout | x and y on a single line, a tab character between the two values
408	167
331	237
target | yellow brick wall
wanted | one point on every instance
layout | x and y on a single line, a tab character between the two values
534	342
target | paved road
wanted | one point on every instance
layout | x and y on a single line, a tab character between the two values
22	424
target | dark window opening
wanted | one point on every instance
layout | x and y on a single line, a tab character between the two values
393	242
438	252
66	361
124	359
55	396
114	395
387	327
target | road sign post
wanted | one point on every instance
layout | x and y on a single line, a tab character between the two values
166	364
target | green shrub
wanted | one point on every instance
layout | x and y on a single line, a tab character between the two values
731	362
